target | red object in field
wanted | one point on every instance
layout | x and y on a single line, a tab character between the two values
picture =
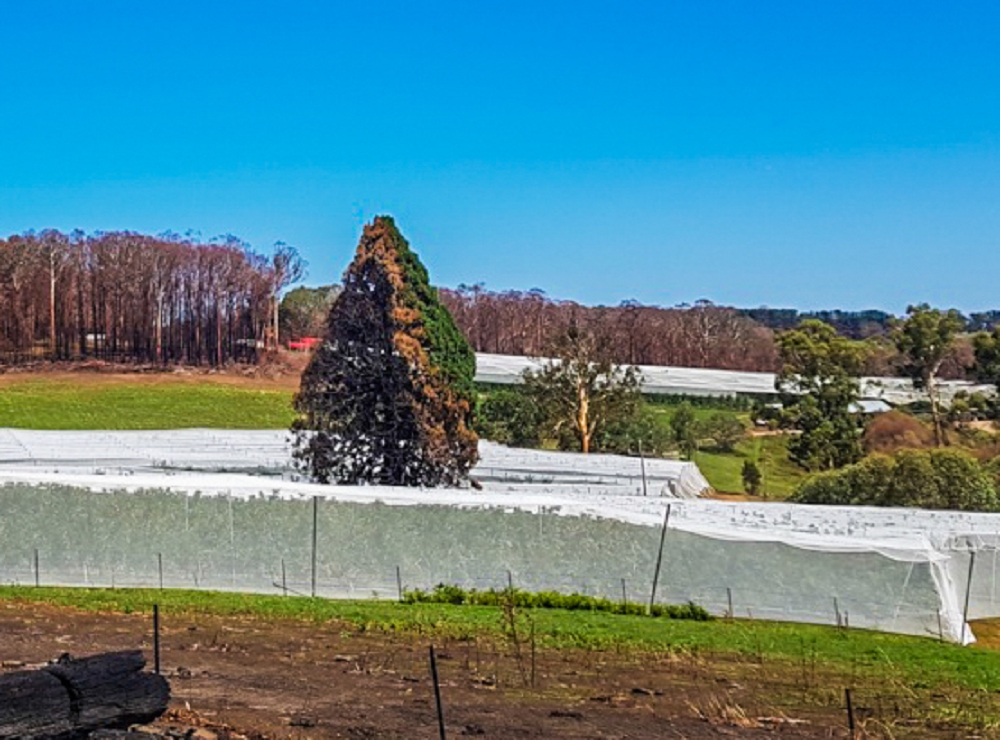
305	344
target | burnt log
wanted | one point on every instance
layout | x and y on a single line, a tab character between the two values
72	697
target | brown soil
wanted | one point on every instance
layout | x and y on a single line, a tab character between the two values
265	679
281	374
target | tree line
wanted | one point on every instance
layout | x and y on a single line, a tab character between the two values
530	323
701	334
131	297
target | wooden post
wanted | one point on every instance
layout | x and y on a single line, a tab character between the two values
38	578
642	466
850	711
836	610
284	582
156	639
659	559
510	583
968	593
314	541
437	694
729	598
399	584
624	597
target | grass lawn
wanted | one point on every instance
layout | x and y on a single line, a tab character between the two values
913	661
141	402
724	470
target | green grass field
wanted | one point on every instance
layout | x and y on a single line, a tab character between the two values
140	403
723	470
913	661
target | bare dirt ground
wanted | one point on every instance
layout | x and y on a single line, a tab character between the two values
283	372
261	679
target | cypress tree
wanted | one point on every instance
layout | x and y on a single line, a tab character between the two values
387	397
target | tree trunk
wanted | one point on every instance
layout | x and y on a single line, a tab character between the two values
583	418
935	411
52	306
73	697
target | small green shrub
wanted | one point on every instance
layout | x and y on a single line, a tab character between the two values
456	595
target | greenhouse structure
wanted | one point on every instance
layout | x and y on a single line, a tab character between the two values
227	510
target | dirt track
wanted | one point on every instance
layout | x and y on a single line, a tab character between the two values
264	679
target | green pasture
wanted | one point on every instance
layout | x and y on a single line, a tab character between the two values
42	403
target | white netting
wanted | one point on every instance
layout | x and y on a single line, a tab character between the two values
695	381
224	510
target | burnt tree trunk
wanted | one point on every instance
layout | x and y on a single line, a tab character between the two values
70	698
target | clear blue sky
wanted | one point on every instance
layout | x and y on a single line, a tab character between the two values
789	154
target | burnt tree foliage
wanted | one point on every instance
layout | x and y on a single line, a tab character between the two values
128	297
387	397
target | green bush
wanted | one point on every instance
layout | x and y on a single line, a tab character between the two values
724	429
931	479
623	436
451	594
509	416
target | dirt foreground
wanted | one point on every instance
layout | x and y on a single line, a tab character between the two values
258	679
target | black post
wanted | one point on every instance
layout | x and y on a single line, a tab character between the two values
850	711
284	582
156	639
437	694
659	559
968	593
38	578
729	598
159	566
315	531
642	465
624	597
399	584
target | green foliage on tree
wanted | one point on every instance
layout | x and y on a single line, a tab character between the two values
924	339
723	428
449	351
752	477
303	311
818	384
987	365
374	405
683	427
930	479
509	416
581	392
637	433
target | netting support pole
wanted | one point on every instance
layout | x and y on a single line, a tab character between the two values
642	465
968	593
314	540
659	559
437	694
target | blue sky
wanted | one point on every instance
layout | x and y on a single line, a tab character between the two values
786	154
